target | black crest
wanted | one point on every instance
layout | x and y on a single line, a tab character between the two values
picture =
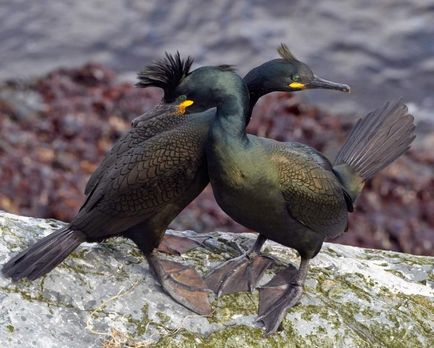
284	52
166	73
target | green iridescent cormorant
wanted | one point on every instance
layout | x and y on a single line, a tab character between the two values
287	191
151	174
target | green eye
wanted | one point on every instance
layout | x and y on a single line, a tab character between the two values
296	78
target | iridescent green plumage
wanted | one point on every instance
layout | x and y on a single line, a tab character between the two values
288	192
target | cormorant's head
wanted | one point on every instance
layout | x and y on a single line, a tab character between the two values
210	86
186	91
287	74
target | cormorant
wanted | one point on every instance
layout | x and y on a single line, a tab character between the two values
289	192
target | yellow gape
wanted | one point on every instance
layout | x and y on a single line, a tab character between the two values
184	105
296	85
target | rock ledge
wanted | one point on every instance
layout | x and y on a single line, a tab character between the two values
104	295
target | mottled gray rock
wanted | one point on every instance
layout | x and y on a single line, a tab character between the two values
104	295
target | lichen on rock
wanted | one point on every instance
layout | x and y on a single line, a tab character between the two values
104	295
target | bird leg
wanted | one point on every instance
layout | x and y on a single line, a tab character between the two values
182	283
241	273
175	245
281	293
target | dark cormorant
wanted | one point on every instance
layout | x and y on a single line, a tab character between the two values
287	191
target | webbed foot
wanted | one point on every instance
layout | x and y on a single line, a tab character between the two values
241	273
175	245
182	283
279	294
238	274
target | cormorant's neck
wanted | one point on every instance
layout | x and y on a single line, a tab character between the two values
258	87
255	94
233	115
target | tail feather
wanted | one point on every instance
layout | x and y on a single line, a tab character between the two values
377	140
44	255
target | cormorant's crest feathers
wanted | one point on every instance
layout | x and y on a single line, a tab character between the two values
166	73
284	52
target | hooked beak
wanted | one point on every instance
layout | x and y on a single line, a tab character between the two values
318	82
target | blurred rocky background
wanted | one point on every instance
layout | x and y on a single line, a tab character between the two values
59	114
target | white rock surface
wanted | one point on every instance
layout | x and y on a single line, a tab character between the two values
104	295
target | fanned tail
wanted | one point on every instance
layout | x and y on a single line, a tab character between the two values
44	255
374	142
